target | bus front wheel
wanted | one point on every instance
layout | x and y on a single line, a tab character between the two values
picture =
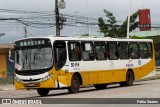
129	79
75	85
43	91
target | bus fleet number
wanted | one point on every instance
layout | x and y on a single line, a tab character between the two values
74	64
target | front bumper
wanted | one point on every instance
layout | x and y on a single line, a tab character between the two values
50	83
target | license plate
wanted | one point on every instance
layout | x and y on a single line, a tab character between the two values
31	84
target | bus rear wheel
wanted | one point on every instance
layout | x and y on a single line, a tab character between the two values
43	91
129	79
100	86
75	85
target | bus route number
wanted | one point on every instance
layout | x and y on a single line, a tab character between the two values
74	64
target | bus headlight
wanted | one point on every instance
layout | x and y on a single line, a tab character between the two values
17	79
47	77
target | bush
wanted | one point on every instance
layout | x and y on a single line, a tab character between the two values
4	78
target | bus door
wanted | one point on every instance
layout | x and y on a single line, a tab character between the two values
60	54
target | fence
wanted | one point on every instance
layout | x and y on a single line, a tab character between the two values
157	68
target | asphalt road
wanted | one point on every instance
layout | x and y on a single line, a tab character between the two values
140	90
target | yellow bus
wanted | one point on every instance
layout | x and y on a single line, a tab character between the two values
47	63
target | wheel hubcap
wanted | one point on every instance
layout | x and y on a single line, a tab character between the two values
75	84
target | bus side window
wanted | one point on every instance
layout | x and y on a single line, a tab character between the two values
123	50
100	50
134	50
60	55
74	51
143	50
150	51
87	53
112	50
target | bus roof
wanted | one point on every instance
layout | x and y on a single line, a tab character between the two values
87	38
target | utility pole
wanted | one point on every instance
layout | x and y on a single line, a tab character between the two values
129	16
57	18
75	26
88	18
25	32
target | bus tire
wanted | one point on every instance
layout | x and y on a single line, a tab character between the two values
75	85
129	79
100	86
43	91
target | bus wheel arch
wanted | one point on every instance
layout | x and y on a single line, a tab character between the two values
130	77
130	70
79	76
76	81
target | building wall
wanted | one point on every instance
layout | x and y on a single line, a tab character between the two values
5	64
10	65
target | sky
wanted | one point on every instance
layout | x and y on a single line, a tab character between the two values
93	8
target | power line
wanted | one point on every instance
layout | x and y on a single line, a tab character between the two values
46	19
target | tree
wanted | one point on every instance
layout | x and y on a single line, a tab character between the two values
4	74
112	29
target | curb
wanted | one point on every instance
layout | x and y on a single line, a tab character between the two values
149	78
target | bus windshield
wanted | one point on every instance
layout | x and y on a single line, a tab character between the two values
33	58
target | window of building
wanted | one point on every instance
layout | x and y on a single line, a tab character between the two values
133	50
100	50
143	50
123	50
87	51
74	51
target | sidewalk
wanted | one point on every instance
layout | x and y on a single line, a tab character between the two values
5	87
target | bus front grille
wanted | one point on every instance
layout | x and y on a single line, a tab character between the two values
31	85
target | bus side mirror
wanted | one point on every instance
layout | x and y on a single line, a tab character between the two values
10	53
